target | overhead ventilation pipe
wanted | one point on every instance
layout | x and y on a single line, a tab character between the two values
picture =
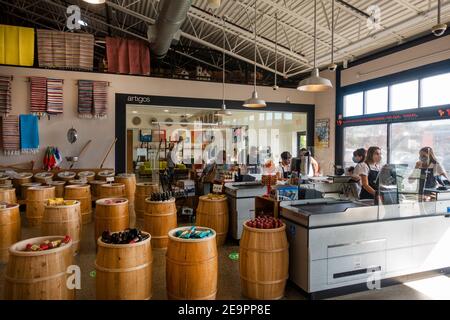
172	14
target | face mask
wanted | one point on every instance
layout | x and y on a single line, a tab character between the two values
424	159
355	160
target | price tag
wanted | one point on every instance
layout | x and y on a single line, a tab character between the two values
217	188
109	179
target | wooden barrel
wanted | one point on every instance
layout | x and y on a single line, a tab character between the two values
111	214
81	193
129	180
143	191
66	175
124	271
102	175
36	199
38	275
191	267
18	180
79	182
43	177
4	178
264	262
8	194
59	188
88	175
213	213
159	218
10	231
63	220
25	186
111	190
95	187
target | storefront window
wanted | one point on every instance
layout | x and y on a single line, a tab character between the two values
408	138
364	137
404	95
377	100
353	104
435	90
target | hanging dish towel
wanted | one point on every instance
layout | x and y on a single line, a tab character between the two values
5	95
29	134
100	99
54	96
38	95
85	98
10	139
127	56
16	45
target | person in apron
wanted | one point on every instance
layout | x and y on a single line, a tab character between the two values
369	173
430	170
284	168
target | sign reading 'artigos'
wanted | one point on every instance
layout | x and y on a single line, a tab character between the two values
138	99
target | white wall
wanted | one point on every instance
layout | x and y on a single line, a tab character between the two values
326	109
101	132
423	54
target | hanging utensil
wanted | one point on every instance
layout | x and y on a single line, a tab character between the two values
72	135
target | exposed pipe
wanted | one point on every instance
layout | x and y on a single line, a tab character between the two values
171	16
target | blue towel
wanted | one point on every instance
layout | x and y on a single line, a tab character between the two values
29	134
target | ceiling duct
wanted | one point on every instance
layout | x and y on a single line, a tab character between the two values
167	27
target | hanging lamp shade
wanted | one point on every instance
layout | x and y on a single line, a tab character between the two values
254	102
314	83
95	1
223	111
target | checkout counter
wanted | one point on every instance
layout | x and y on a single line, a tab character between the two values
339	244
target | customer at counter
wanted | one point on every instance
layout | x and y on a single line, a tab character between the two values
284	168
430	169
369	172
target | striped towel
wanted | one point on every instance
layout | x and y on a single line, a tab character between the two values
10	141
100	99
5	95
54	96
38	96
65	50
29	133
85	98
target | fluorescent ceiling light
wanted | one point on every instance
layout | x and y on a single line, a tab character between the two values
185	123
166	110
134	111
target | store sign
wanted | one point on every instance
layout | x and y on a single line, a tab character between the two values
74	18
138	99
217	188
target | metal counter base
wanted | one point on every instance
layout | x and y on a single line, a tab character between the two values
361	287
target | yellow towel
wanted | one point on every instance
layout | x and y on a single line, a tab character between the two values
16	45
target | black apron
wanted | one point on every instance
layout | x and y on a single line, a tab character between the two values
286	174
427	180
372	177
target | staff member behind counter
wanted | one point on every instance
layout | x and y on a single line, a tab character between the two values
430	169
369	172
284	168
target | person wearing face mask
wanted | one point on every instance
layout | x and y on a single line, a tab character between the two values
369	172
430	169
359	155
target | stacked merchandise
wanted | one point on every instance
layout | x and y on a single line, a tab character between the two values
65	50
194	233
127	236
5	95
92	99
47	245
20	44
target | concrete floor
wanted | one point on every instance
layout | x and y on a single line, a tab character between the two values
229	283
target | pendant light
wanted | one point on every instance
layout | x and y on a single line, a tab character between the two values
254	102
223	111
439	29
314	83
95	1
332	66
